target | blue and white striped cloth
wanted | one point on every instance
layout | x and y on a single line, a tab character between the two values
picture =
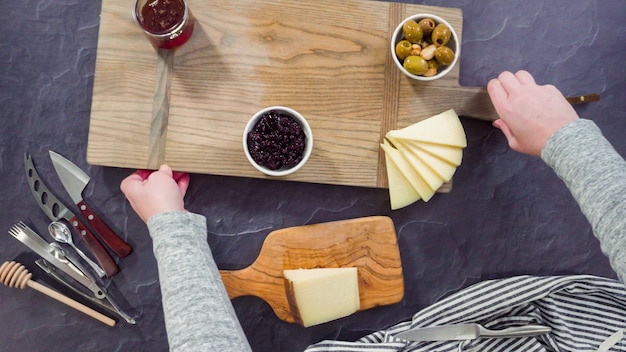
583	312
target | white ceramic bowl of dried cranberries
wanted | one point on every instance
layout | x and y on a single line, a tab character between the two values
277	141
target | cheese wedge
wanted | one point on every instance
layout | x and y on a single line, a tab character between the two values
401	193
408	171
433	180
443	129
320	295
441	168
451	155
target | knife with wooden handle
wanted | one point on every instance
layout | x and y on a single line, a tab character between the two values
75	180
469	332
589	98
55	210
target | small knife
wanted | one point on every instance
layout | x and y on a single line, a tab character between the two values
470	332
55	210
75	180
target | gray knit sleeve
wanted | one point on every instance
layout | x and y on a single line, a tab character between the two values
596	175
198	313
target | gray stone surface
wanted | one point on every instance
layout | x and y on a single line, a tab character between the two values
508	214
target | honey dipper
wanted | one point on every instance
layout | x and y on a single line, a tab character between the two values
15	274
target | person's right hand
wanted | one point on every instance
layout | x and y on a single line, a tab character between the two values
529	113
152	192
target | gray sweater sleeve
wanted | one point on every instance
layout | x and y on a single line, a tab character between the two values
198	313
596	175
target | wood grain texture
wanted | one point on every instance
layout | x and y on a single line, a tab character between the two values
369	244
392	91
330	60
160	108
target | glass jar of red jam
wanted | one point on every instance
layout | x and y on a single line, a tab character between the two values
166	23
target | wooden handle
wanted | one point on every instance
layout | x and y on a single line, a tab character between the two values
252	282
589	98
70	302
245	282
112	240
102	256
233	284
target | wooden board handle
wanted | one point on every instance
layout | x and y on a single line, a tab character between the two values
245	282
251	282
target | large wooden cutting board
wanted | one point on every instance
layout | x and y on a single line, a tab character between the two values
328	59
369	244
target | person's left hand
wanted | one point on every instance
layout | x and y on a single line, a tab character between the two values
152	192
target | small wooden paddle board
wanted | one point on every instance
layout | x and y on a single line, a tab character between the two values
369	244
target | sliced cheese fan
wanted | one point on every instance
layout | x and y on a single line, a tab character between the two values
422	157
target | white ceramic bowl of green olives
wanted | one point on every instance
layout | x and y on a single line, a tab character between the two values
425	47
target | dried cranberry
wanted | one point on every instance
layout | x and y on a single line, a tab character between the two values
276	141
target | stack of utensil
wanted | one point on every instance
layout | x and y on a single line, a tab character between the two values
58	259
66	269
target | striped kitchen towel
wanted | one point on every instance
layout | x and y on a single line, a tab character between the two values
583	311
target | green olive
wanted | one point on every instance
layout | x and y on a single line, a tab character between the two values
416	65
444	55
427	25
441	35
403	49
412	31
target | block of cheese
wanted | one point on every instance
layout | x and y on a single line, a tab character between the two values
443	129
440	167
320	295
401	193
452	155
408	171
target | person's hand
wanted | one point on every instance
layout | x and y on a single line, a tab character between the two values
529	113
155	192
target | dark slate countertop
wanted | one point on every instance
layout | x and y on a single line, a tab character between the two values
508	214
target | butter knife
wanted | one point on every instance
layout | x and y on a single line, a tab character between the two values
470	332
